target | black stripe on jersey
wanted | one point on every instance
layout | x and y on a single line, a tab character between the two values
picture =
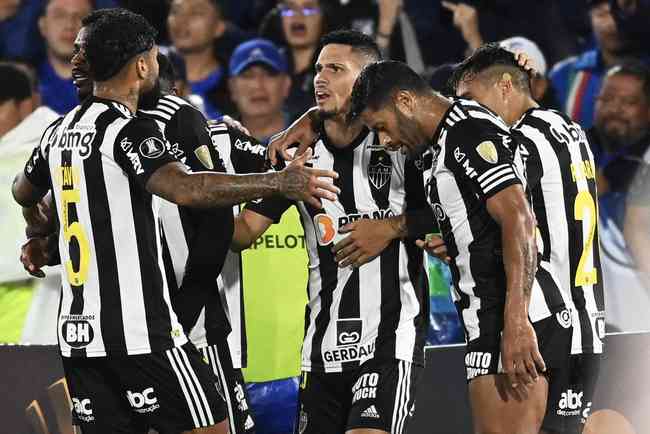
391	305
156	309
344	166
349	306
169	267
100	215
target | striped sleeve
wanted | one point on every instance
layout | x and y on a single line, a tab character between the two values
479	151
37	169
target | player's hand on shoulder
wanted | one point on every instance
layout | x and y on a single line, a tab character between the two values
301	183
300	133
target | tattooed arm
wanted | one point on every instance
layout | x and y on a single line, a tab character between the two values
520	353
208	189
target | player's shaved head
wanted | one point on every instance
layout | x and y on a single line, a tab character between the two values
491	63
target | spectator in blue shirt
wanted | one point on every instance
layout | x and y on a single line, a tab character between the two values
577	80
59	26
198	30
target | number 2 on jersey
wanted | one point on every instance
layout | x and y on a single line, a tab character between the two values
74	230
585	208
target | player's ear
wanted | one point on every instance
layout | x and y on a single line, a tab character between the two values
405	101
141	67
505	83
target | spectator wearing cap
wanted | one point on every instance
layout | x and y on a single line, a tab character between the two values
195	28
541	88
577	80
59	26
259	84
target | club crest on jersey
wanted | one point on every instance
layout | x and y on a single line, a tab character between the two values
325	229
152	148
77	331
488	151
379	169
203	154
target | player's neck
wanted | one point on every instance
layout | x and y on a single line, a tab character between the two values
340	133
520	105
264	126
433	110
118	90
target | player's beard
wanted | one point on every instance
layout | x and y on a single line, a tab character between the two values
410	132
149	99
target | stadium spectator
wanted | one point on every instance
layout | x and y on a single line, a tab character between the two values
196	29
619	139
620	135
59	26
577	80
16	101
541	89
259	84
301	23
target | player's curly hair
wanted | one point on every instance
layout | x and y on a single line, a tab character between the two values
486	57
114	37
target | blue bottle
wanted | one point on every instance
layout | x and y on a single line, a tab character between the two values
444	326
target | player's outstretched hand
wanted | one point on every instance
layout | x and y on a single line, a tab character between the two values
307	184
300	133
366	239
435	246
34	256
522	361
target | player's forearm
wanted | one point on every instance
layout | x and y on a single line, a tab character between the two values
520	263
208	189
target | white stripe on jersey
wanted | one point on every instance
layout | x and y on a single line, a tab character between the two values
229	281
590	302
454	206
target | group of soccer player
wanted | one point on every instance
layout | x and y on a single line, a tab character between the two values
137	196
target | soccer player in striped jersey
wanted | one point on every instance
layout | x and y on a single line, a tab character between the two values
195	245
127	360
364	331
560	171
507	306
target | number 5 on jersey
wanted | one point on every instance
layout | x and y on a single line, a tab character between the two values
72	230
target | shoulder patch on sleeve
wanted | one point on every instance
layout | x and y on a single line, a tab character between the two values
152	148
488	151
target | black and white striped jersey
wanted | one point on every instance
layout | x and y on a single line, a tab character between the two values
561	177
474	158
195	241
380	309
114	298
241	154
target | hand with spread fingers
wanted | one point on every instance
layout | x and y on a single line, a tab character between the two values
301	133
306	184
366	239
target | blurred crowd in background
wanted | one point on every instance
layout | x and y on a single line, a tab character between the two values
592	57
